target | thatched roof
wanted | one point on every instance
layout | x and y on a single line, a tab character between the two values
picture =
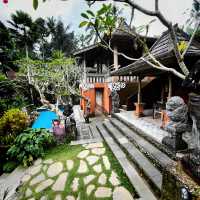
163	51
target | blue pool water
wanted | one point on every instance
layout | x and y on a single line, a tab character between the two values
44	119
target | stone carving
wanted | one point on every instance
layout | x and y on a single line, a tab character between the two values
176	111
87	112
117	86
115	101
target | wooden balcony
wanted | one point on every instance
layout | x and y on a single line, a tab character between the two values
95	78
102	78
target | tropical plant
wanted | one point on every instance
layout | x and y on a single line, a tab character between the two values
100	23
58	77
13	122
24	31
62	39
8	51
30	145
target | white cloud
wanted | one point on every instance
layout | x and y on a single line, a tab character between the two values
69	11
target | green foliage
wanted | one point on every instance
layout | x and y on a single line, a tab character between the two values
9	166
57	77
30	145
102	22
13	122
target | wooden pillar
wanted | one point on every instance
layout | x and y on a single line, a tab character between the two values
116	58
139	105
84	70
139	90
170	87
163	93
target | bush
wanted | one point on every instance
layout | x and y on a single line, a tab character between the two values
9	166
13	122
30	145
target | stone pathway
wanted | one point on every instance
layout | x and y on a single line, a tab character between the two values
91	170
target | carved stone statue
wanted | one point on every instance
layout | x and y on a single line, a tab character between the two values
176	111
115	101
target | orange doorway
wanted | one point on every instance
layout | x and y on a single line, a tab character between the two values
98	101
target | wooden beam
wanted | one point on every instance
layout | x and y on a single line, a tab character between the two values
170	86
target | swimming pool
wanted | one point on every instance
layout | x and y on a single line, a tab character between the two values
44	119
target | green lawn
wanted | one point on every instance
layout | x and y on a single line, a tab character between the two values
65	152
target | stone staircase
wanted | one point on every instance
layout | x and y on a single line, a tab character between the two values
139	156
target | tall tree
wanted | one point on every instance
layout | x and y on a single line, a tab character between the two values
8	51
62	39
24	31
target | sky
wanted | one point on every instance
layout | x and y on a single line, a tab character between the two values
69	11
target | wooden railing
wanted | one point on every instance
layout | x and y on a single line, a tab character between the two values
102	78
95	78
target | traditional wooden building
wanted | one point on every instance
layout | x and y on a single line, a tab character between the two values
98	63
164	84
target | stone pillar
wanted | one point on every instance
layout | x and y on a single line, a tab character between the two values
139	105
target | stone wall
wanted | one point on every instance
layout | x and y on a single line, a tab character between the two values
175	178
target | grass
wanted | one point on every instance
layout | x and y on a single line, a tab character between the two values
65	152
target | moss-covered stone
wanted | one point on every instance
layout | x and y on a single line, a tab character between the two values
174	178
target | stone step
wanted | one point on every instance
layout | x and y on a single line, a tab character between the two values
151	151
94	131
137	181
140	131
86	141
150	172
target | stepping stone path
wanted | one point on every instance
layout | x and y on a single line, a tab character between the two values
106	162
38	161
83	154
55	169
70	164
54	176
26	178
44	198
59	185
121	193
88	179
98	151
97	168
92	159
102	179
103	192
90	188
44	185
83	168
114	179
58	197
35	169
37	179
49	161
70	198
75	184
28	193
